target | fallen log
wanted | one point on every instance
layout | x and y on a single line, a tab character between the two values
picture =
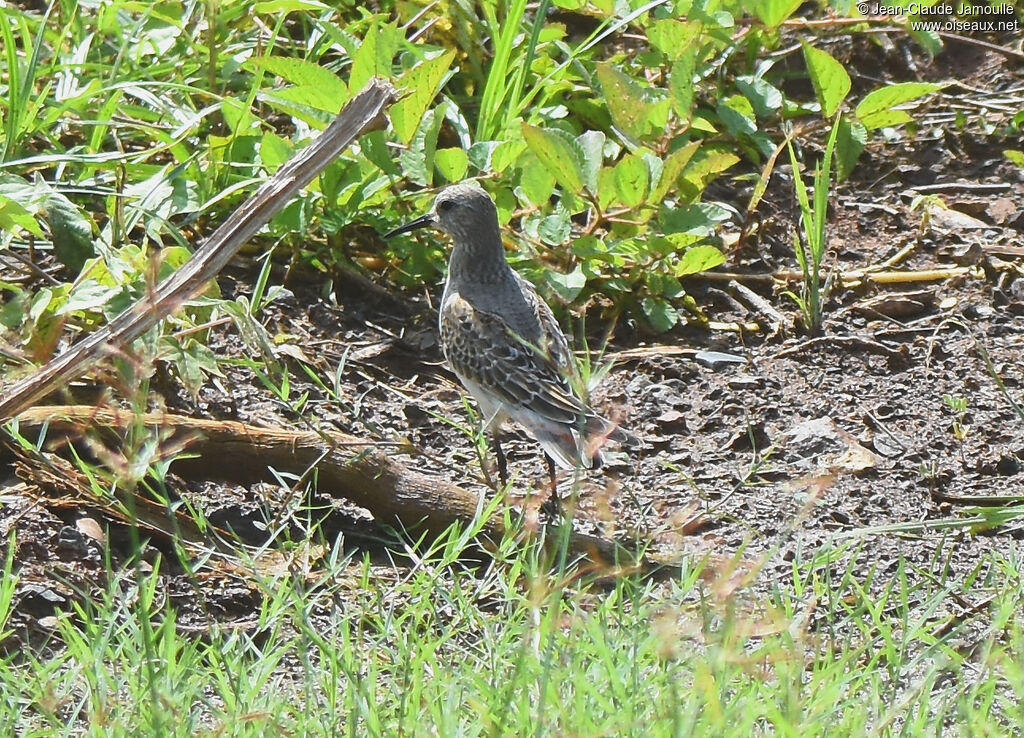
347	467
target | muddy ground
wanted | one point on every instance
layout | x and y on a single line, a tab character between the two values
808	440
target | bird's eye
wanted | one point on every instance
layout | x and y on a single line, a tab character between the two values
445	205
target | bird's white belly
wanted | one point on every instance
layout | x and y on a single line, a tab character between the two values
491	408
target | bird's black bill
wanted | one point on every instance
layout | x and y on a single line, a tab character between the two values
421	222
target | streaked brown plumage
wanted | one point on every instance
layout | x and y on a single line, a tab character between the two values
501	339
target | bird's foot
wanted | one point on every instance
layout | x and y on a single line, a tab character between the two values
553	508
500	465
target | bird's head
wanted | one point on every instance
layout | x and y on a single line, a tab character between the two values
463	211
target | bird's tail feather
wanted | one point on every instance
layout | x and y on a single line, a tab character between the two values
564	446
572	447
601	430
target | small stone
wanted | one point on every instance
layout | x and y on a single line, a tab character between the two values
91	529
1008	465
672	420
744	382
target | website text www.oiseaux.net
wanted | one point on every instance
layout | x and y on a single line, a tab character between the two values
972	18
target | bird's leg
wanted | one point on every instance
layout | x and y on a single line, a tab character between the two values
499	456
553	505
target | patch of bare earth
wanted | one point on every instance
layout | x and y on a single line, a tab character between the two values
810	442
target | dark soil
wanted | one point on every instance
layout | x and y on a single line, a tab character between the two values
808	440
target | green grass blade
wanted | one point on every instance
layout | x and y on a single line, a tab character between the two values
524	68
497	88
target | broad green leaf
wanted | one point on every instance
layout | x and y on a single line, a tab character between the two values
14	307
654	165
336	178
671	169
698	259
680	83
710	15
1017	157
830	80
536	182
297	97
192	361
632	178
657	113
590	148
13	216
293	217
738	116
420	84
850	142
555	150
237	116
495	156
927	38
765	97
589	246
607	190
40	303
701	123
302	73
481	153
418	159
506	154
763	142
699	218
274	151
673	38
674	243
635	110
373	59
173	258
555	228
70	229
705	166
452	163
374	146
252	332
660	314
876	109
507	204
662	285
87	295
568	286
886	119
773	12
165	194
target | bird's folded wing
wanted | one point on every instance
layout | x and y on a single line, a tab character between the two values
554	346
481	346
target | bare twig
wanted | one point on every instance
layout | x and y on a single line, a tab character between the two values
854	343
847	278
758	302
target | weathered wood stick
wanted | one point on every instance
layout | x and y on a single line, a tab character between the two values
363	113
347	467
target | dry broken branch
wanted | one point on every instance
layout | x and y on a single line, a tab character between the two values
363	113
346	466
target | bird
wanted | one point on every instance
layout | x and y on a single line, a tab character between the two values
503	342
